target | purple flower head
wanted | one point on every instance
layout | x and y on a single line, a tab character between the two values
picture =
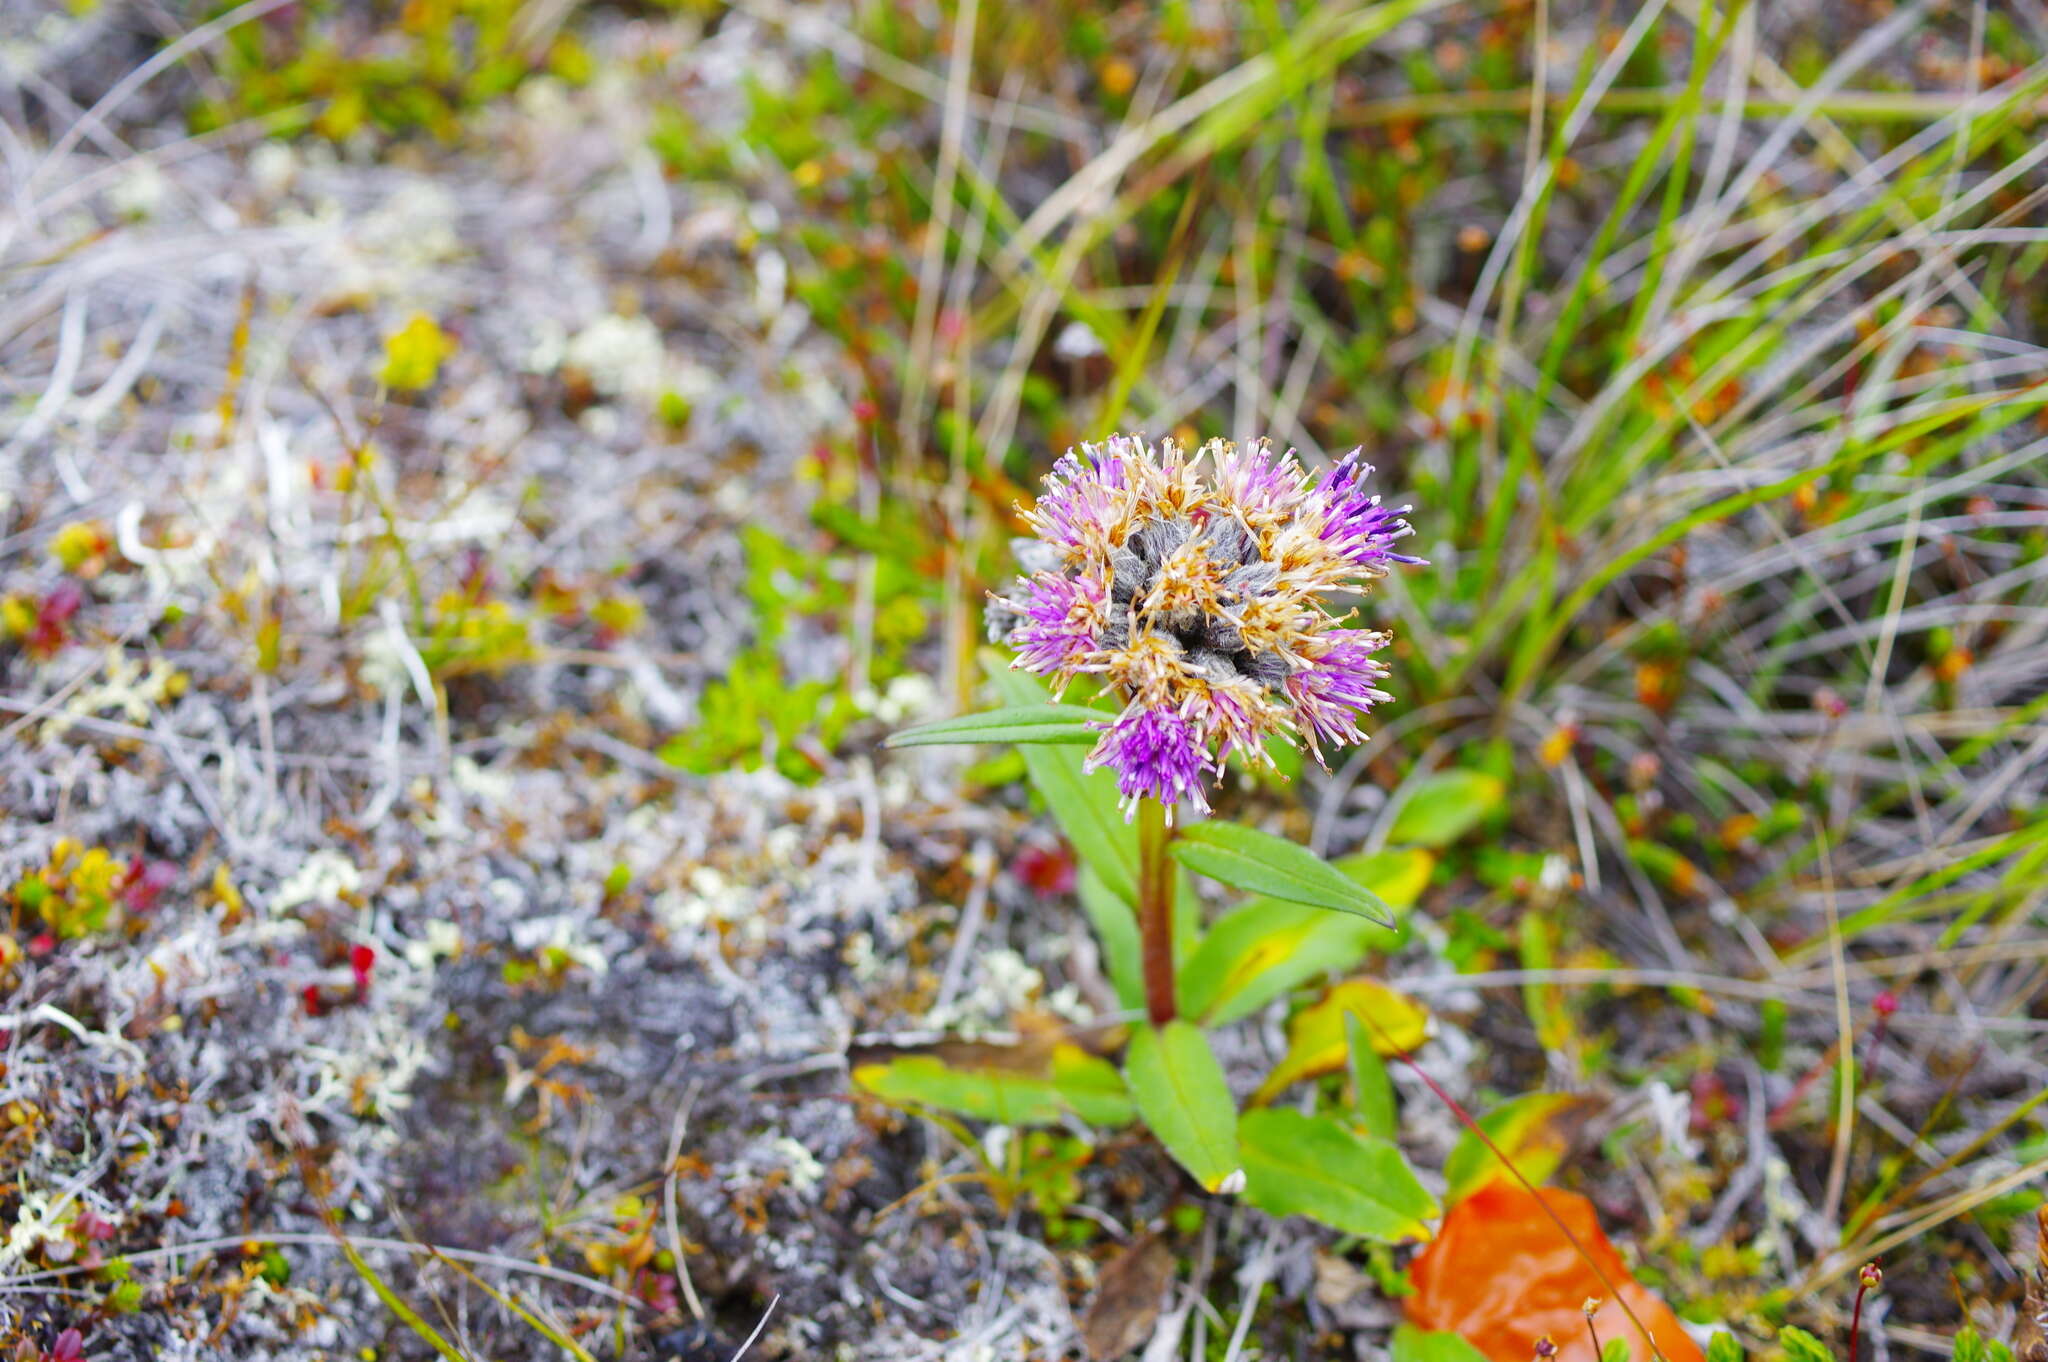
1156	754
1200	598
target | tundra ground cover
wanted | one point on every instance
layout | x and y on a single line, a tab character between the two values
481	480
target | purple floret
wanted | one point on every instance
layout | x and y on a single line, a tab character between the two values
1334	692
1258	481
1083	494
1156	753
1057	629
1355	524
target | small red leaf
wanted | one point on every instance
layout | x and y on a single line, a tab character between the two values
1502	1275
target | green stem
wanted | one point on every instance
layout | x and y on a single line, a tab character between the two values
1155	910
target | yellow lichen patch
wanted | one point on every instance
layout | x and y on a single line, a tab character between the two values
413	354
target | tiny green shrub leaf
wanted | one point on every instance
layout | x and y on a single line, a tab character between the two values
1971	1346
1046	723
1800	1346
1261	863
1181	1093
1445	807
1723	1347
1424	1345
1317	1167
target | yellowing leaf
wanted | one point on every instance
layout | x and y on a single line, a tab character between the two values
1535	1131
1257	952
1316	1043
1398	876
1090	1085
1545	1002
1074	1081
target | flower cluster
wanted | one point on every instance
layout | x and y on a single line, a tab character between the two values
1197	594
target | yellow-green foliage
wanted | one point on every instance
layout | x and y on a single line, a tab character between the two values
397	68
413	354
17	616
82	547
467	635
74	894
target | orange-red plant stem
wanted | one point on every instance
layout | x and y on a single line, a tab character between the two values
1155	910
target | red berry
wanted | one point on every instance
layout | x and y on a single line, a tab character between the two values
61	604
147	881
1045	872
360	959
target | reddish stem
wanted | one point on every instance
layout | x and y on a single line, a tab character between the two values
1886	1004
1869	1279
1155	910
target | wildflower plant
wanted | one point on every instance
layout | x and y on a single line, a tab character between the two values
1199	591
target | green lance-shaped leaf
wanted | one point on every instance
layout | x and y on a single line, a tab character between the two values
1021	724
1181	1093
1116	927
1260	950
1372	1090
1318	1167
1084	803
1261	863
1075	1081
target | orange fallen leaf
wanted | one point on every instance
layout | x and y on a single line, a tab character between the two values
1500	1274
